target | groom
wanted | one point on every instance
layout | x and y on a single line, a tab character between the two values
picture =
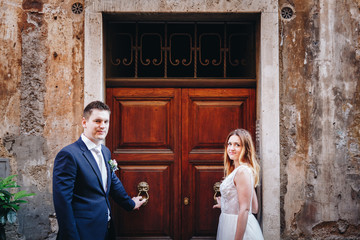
83	181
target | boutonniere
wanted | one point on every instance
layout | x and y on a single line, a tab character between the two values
113	165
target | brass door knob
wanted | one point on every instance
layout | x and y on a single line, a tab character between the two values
186	201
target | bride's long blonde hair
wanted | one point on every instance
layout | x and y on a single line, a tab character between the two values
247	154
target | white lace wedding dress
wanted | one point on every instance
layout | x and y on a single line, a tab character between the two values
230	210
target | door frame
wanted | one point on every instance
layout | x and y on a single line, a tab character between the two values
268	106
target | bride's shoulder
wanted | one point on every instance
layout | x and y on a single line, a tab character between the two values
243	168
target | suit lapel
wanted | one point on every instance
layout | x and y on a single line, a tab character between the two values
108	171
90	158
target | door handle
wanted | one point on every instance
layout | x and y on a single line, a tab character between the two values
216	190
143	188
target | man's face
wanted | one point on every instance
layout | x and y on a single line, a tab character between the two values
97	126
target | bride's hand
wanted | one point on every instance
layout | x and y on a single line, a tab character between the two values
218	205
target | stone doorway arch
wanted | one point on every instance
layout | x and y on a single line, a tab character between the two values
267	83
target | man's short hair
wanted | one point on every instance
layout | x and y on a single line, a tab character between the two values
94	105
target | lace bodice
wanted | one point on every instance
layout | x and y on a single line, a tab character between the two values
229	196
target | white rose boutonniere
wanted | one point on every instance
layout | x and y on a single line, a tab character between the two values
113	165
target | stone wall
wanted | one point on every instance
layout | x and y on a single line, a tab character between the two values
41	99
320	120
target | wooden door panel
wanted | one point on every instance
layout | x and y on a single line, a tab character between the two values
206	217
143	120
208	115
144	139
209	120
228	95
212	115
154	217
149	119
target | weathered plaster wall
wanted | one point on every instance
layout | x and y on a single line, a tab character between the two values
320	120
41	99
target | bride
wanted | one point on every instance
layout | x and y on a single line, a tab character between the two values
238	200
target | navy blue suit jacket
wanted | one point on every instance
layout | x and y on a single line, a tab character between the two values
81	203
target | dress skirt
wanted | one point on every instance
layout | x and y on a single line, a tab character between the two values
227	228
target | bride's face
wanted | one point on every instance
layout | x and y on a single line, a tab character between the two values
234	148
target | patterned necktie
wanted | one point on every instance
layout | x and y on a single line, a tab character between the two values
102	167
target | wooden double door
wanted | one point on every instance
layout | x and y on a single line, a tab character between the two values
172	139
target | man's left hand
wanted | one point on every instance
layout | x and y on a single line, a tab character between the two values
138	202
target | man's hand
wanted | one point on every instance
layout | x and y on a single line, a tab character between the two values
218	205
138	202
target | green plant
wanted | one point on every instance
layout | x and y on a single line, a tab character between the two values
9	202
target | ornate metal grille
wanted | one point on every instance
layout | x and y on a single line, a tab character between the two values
180	50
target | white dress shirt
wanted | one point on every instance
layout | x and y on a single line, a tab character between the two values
99	160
